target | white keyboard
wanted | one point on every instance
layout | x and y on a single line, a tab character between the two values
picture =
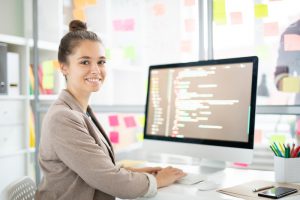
190	179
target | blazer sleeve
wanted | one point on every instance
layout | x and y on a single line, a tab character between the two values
78	150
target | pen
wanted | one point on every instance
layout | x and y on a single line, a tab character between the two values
263	188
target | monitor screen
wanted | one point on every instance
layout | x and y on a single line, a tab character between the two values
206	102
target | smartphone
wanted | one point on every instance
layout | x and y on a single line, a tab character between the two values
277	192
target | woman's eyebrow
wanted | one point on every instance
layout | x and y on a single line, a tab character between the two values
84	57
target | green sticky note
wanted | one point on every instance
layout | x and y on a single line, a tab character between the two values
140	137
48	67
261	10
129	52
277	138
291	84
219	11
48	82
107	54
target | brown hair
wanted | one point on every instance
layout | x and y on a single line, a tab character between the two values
77	33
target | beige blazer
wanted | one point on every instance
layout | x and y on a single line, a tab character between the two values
76	163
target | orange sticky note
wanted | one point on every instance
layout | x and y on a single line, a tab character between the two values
189	25
159	9
291	42
236	18
271	29
189	2
186	46
91	2
56	64
79	3
291	84
79	14
114	136
261	10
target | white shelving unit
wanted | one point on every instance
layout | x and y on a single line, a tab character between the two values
16	155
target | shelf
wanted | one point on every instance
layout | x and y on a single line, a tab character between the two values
16	153
45	97
15	40
44	45
17	97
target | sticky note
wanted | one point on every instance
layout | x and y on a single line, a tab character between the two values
117	25
261	10
291	84
277	138
79	3
189	2
113	120
140	137
141	121
48	67
128	24
186	46
236	18
291	42
189	25
159	9
91	2
129	52
258	135
219	11
55	64
240	164
48	82
79	14
271	29
129	122
114	136
107	54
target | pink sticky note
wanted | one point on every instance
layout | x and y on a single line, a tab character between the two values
271	29
128	24
113	120
129	122
189	2
240	164
114	136
186	46
291	42
189	25
236	18
159	9
117	24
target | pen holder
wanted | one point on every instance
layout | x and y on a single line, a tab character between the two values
287	169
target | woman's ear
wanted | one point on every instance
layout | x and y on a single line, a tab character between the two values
64	69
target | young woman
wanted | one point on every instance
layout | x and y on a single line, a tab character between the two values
75	155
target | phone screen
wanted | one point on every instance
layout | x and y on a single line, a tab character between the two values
276	193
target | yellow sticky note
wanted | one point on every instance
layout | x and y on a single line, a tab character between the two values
261	10
79	3
79	14
141	121
48	82
277	138
291	84
291	42
140	137
219	11
129	52
48	67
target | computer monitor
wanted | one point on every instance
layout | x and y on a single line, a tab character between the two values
202	109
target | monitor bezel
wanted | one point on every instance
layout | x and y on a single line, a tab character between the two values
245	145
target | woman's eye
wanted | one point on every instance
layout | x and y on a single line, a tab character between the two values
101	62
85	62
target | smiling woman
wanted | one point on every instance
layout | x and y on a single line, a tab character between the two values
75	155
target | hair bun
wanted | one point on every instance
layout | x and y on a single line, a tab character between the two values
77	25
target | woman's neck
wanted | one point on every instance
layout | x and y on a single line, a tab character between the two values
82	98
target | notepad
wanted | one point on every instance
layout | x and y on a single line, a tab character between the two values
245	190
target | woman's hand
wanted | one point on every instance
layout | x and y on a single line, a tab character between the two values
168	175
149	170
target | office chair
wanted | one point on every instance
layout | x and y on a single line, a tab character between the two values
21	189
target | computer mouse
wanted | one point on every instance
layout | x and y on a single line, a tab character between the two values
207	185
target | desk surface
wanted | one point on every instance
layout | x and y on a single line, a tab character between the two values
225	178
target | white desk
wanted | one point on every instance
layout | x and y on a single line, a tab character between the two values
226	178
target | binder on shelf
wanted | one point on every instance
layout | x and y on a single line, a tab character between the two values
3	69
13	73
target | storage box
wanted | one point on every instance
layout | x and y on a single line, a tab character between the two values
287	169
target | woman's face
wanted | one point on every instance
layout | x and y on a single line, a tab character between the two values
85	70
